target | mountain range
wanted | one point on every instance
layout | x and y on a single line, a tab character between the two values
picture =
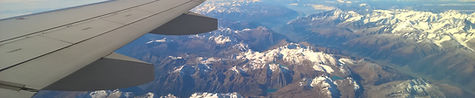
266	48
435	45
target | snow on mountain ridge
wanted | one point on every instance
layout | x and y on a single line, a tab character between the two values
116	94
292	53
220	39
203	64
327	85
206	61
324	82
410	89
216	95
356	86
169	96
420	26
157	41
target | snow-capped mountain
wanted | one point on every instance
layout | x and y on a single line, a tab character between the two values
408	89
420	26
294	54
252	13
236	69
273	69
245	57
223	6
117	93
242	63
422	41
251	64
326	84
426	26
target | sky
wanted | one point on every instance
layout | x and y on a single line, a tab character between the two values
12	8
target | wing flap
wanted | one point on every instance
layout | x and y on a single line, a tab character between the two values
111	72
188	23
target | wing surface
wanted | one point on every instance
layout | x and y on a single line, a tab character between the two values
49	50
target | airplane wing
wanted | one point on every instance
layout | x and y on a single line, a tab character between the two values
73	49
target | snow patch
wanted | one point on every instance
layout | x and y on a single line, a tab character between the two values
216	95
208	60
117	94
346	61
274	67
175	58
98	94
169	96
241	47
246	29
220	39
157	41
355	85
178	69
326	84
352	17
292	53
238	70
148	95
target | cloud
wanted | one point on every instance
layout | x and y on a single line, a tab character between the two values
363	4
294	4
12	8
322	7
343	1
